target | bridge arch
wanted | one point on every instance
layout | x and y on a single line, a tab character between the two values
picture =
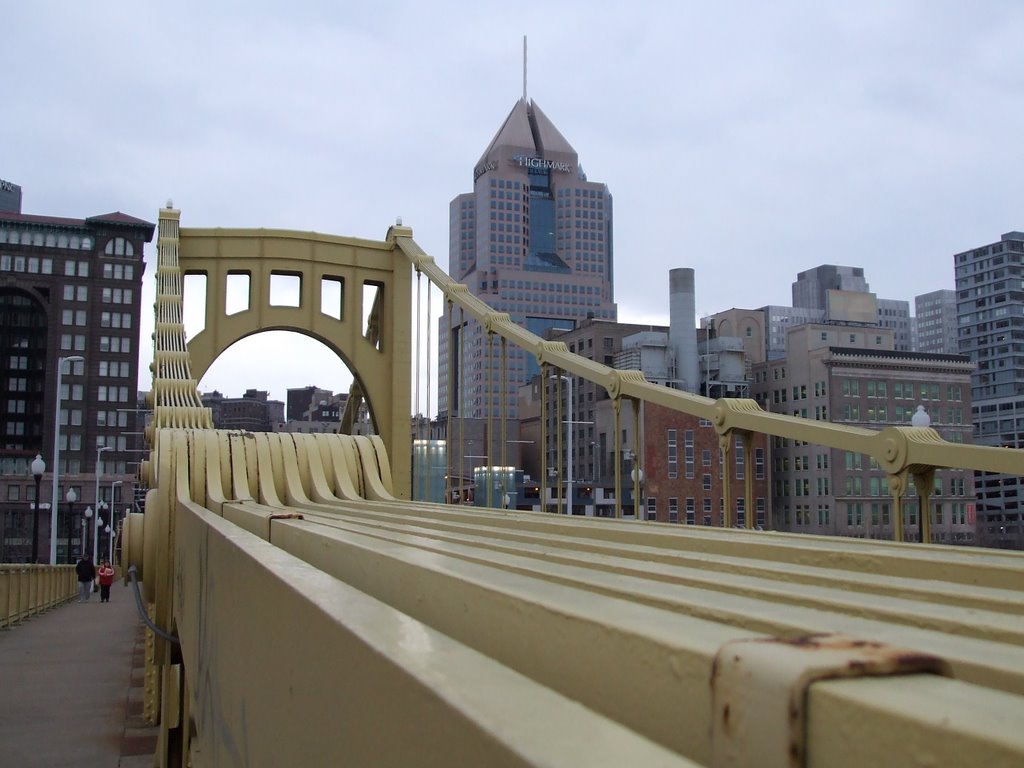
332	274
246	344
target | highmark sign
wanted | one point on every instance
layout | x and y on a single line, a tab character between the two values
524	161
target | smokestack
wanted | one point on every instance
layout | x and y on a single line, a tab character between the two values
682	333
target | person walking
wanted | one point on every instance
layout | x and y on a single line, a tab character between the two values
106	576
86	574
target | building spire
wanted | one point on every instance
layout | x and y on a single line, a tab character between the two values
524	67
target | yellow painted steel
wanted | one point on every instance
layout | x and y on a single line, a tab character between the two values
26	590
378	357
323	619
625	621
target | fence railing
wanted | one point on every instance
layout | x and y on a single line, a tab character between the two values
26	590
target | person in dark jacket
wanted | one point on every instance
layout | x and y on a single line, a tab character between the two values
86	574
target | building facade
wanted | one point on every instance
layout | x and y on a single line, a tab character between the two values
254	411
534	239
935	314
682	474
69	288
990	315
851	375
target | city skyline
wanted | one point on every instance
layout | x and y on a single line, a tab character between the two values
847	138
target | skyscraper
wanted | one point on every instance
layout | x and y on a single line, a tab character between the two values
533	239
69	288
990	314
936	322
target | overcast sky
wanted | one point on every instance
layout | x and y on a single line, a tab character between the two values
747	140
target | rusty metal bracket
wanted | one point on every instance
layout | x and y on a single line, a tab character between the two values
759	691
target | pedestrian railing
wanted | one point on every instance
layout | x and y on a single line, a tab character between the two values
26	590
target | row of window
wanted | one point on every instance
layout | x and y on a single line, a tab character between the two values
880	514
79	317
115	368
44	239
801	463
901	414
689	458
109	295
30	264
69	466
76	342
691	510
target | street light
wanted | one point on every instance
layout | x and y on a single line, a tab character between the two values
922	419
56	456
96	496
112	513
568	440
72	497
38	469
85	530
637	476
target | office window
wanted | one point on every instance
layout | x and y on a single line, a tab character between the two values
673	458
688	453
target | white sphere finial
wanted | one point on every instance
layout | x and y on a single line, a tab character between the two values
170	203
921	418
398	221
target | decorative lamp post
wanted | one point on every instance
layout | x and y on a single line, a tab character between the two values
112	529
101	515
637	476
38	469
568	440
922	419
112	486
100	506
56	456
85	529
72	497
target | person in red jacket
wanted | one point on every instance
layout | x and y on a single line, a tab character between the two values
106	577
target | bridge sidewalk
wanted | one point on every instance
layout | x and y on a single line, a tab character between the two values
71	687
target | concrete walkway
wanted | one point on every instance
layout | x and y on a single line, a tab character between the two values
71	687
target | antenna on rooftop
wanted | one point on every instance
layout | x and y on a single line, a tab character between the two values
524	67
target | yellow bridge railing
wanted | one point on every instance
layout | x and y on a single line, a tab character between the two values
899	451
26	590
308	616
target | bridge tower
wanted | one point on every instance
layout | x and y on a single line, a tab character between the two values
377	351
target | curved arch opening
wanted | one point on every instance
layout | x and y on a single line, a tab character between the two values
279	380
